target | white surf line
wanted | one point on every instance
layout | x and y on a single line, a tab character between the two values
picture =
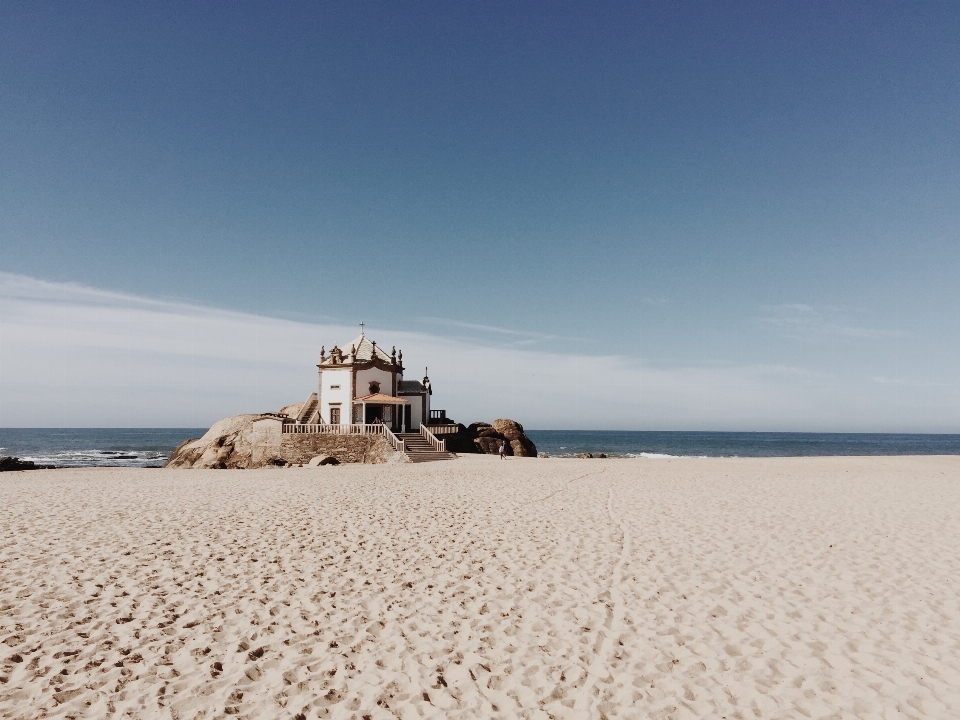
609	635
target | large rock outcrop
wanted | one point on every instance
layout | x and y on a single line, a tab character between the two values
227	444
291	411
230	443
482	437
517	439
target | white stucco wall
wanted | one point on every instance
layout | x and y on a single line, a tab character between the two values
365	377
340	395
415	411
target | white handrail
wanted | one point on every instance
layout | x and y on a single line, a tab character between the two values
438	444
342	429
397	443
447	429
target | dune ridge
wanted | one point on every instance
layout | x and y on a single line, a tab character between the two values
688	588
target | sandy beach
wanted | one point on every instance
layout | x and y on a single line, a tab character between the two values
480	588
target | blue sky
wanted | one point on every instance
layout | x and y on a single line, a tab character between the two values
700	190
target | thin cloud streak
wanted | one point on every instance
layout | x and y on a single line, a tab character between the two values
527	337
471	326
804	322
78	356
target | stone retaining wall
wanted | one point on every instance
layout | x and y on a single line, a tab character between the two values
299	449
250	441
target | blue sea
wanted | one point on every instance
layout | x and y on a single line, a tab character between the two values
95	447
653	444
150	447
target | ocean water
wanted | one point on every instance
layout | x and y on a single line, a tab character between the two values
653	444
150	447
95	447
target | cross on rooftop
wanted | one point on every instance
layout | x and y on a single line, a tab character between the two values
361	328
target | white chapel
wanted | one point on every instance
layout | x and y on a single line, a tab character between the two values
361	384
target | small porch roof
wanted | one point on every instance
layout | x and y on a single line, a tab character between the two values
380	399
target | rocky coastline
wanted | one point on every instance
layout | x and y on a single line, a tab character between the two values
230	444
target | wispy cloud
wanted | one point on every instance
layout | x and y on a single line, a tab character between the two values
883	380
479	331
805	322
79	356
472	326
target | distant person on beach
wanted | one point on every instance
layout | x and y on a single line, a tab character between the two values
503	449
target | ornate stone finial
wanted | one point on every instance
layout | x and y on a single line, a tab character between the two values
400	357
323	353
393	354
353	351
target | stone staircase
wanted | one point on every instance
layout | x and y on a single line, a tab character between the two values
309	409
419	450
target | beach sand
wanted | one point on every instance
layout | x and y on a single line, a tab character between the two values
480	588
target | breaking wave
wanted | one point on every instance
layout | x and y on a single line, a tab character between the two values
100	458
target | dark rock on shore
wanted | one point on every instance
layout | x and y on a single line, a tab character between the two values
482	437
8	464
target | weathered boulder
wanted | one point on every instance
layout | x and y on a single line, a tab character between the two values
227	444
482	429
519	443
291	411
509	429
489	445
482	437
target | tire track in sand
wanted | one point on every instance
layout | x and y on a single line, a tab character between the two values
567	484
609	636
